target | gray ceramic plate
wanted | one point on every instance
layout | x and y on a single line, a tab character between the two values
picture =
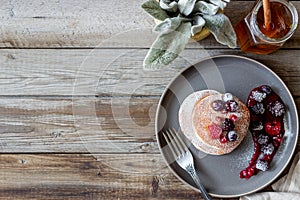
237	75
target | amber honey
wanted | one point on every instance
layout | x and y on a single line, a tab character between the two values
253	36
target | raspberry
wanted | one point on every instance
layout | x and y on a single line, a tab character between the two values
232	136
215	131
227	125
276	108
258	108
262	165
218	105
258	96
267	149
273	128
231	106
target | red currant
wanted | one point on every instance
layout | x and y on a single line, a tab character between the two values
233	118
250	172
223	139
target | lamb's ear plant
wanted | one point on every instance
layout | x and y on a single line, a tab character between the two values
180	20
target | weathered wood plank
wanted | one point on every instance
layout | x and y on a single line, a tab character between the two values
67	23
112	72
71	176
27	24
93	125
100	125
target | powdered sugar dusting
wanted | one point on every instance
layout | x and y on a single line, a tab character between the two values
285	140
242	155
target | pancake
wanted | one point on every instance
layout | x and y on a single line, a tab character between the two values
204	117
185	118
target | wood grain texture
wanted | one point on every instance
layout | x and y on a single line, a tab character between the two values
113	72
76	108
68	23
69	176
51	125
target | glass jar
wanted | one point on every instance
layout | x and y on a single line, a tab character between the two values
253	37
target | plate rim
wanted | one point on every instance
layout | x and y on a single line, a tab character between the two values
212	58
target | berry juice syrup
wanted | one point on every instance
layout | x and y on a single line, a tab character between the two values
267	127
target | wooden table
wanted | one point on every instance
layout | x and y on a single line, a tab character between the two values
77	110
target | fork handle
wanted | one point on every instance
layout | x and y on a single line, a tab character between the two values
191	170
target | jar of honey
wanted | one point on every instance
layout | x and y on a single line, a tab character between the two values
254	37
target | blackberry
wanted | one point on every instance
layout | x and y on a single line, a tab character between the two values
231	106
263	139
276	108
232	136
258	108
267	149
218	105
262	165
267	89
258	96
227	125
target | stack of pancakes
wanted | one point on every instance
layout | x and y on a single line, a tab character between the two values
196	114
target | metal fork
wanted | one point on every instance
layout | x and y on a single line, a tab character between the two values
184	158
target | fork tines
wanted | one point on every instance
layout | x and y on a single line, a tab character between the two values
175	142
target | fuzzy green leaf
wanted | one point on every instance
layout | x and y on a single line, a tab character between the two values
206	8
198	24
152	7
170	6
167	47
168	25
186	6
220	26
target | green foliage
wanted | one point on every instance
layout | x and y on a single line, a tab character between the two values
182	19
165	48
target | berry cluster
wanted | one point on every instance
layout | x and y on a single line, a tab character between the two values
266	125
228	132
228	104
227	125
263	99
225	132
276	108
